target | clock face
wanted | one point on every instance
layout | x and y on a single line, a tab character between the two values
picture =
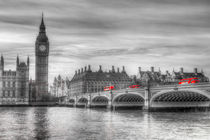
42	48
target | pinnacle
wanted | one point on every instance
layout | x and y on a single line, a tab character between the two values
42	25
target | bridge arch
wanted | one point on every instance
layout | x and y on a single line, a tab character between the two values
99	101
83	100
71	101
181	98
128	100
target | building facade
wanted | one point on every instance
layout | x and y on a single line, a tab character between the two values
41	64
86	81
14	85
156	77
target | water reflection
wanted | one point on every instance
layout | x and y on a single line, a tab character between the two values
41	124
93	124
20	117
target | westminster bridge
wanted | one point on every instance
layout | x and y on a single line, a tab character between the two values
162	96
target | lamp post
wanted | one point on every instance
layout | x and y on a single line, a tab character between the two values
89	94
111	94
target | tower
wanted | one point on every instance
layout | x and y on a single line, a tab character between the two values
22	80
42	53
1	75
2	65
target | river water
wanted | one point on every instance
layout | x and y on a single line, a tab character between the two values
63	123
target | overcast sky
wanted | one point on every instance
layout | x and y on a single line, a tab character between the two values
161	33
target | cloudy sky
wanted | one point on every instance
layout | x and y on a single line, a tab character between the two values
161	33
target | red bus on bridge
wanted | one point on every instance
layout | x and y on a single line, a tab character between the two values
134	86
189	81
108	88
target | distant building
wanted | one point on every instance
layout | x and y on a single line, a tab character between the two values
59	87
156	77
86	81
176	76
14	85
152	76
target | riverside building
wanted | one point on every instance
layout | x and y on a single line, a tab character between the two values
87	81
14	85
156	77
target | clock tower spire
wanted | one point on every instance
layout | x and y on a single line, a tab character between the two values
42	53
42	25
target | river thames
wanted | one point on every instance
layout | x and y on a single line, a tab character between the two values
63	123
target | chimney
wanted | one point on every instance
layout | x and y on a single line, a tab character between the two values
79	71
75	72
139	69
100	68
113	69
82	70
89	69
195	70
118	70
202	71
152	69
123	70
181	70
85	68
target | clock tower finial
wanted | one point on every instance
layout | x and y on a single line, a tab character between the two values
42	25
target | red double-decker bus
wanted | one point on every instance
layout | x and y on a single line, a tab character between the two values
108	88
134	86
189	81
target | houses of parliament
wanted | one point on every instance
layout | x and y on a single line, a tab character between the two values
15	86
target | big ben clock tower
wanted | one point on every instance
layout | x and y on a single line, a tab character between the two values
42	53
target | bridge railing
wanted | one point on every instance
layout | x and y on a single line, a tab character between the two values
142	89
181	85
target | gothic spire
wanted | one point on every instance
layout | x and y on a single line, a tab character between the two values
42	37
28	61
2	60
17	60
42	25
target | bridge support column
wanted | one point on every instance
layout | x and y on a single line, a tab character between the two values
110	105
75	103
65	100
59	101
89	101
147	99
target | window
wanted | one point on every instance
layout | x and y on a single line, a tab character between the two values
8	94
13	94
3	83
3	93
13	84
8	84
